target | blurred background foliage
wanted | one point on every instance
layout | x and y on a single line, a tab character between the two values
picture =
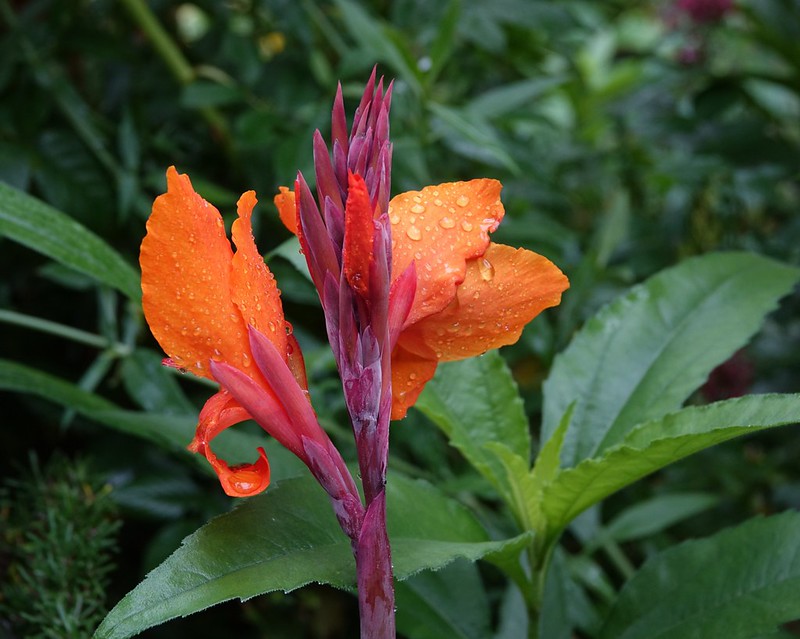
628	136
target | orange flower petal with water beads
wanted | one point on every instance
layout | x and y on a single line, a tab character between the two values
440	228
284	202
195	292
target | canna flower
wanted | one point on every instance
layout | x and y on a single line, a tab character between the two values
218	314
470	295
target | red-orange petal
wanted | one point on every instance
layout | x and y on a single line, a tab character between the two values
503	290
284	202
244	480
359	230
186	269
410	372
440	228
253	287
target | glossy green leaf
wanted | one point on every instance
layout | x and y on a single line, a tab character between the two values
737	584
476	402
42	228
450	602
287	538
658	443
644	354
172	432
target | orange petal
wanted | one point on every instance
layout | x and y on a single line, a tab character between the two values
441	227
410	372
503	291
358	235
244	480
186	266
284	201
253	287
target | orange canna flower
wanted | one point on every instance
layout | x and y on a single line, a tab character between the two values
472	295
218	314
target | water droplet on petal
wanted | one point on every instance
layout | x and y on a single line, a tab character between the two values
486	269
467	226
412	376
184	330
438	202
476	295
394	219
245	359
417	198
462	200
447	223
418	208
414	233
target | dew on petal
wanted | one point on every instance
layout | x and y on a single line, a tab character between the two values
394	219
418	208
446	223
414	233
467	226
184	330
462	200
486	270
245	359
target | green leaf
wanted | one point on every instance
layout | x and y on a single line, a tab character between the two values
380	41
287	538
476	402
737	584
152	386
42	228
171	432
658	443
654	515
444	43
470	135
565	605
450	602
644	354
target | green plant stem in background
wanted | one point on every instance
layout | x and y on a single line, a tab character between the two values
60	330
178	65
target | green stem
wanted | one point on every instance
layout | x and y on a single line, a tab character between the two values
60	330
175	61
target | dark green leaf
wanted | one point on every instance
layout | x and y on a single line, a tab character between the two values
42	228
450	602
658	443
288	538
737	584
476	402
642	355
172	432
654	515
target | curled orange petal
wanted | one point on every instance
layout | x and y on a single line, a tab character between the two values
440	228
284	202
242	480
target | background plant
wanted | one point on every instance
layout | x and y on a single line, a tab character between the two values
628	137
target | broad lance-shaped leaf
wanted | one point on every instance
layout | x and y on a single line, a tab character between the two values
738	584
645	353
288	537
476	402
42	228
658	443
169	431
